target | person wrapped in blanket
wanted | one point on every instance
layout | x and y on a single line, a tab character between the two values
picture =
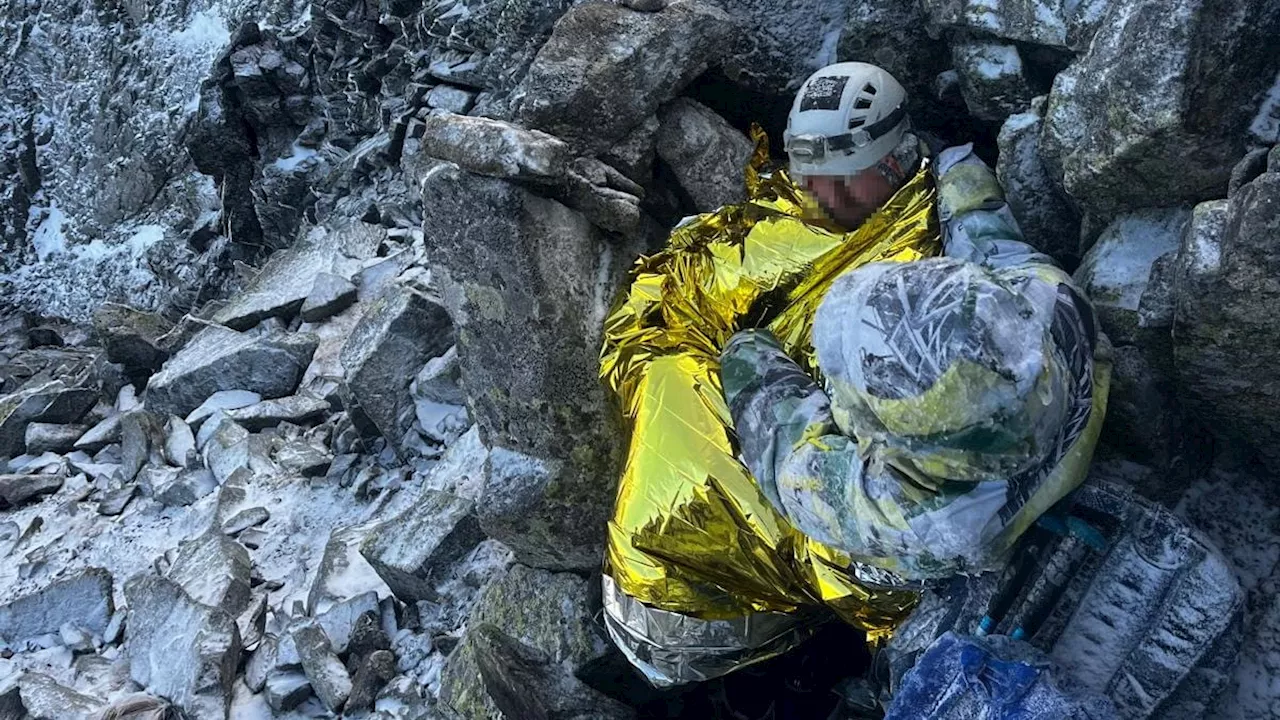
956	392
954	386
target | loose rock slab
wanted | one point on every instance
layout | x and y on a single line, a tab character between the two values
221	359
406	549
84	599
181	649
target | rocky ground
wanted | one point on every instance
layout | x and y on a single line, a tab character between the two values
301	303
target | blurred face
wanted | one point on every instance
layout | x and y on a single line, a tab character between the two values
850	200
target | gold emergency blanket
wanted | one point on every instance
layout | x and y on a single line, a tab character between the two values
691	532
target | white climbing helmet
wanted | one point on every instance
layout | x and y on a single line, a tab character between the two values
845	118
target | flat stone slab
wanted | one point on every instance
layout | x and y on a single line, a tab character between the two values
179	648
221	359
84	599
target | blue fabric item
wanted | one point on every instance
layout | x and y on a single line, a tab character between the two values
961	677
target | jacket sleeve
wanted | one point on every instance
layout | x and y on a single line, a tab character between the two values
977	224
788	439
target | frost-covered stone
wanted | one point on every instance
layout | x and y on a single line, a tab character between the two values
283	284
132	337
142	441
339	621
1045	214
531	325
18	490
75	638
186	487
992	79
397	335
1226	327
222	400
773	46
1137	122
114	502
438	380
214	569
46	699
634	155
1116	271
303	458
523	681
330	294
51	402
1128	274
179	443
100	435
407	551
297	409
343	571
606	68
50	437
1036	21
895	36
377	668
287	690
707	154
450	98
180	649
325	672
245	519
84	599
548	612
220	359
494	147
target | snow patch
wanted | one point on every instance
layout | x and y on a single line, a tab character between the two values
49	238
296	158
997	61
207	31
1115	272
1266	124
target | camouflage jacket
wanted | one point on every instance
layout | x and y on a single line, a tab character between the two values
927	505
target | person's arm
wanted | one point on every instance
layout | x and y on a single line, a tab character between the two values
776	407
977	224
819	479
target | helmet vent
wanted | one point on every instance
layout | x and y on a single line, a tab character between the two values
857	122
869	89
862	103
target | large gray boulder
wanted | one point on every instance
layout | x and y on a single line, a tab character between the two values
539	626
992	78
707	154
409	550
1158	109
132	337
606	68
776	45
397	335
494	147
283	284
1226	326
528	282
181	649
221	359
895	35
83	599
1128	275
1043	22
1045	214
54	401
214	569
